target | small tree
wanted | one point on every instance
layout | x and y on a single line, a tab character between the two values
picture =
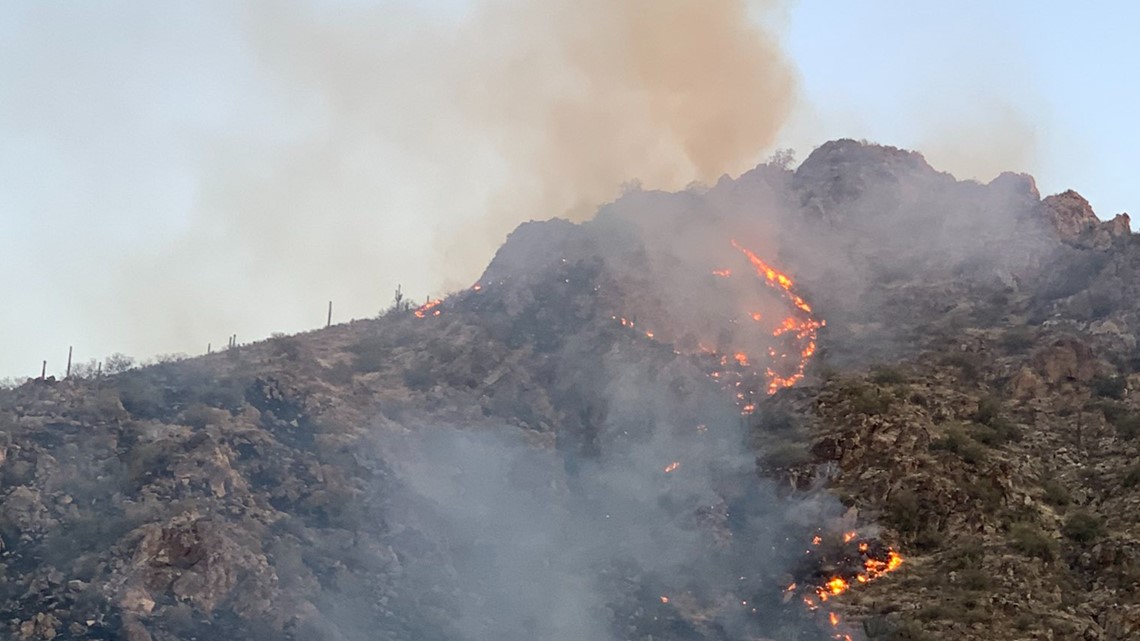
117	363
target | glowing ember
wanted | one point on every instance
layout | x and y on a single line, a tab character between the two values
664	599
849	536
723	273
833	618
672	466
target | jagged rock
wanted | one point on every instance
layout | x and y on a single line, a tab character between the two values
1074	221
1066	359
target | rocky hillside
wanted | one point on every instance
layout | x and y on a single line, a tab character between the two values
570	449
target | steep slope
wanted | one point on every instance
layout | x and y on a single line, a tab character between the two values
561	452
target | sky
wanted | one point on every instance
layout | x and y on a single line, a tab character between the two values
174	173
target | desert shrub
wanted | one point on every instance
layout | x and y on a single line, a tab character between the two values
1112	410
957	441
117	363
887	375
419	377
998	432
929	539
787	455
1108	386
1056	494
1082	527
370	354
142	397
985	492
1030	540
776	420
989	409
908	630
868	400
969	365
1132	476
968	551
287	347
1024	621
1127	425
935	612
904	511
1017	339
975	579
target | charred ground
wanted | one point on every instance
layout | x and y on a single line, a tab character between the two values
973	405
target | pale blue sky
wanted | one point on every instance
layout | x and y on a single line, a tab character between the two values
146	147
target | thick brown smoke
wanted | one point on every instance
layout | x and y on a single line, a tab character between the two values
582	96
553	104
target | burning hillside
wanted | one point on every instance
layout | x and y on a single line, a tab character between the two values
716	415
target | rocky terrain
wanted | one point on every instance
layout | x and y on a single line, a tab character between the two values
556	454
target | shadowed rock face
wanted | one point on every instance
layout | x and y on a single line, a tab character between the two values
499	471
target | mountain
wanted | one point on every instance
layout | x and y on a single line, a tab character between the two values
855	399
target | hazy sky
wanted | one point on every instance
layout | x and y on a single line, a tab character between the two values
173	173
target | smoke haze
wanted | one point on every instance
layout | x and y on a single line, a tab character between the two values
341	148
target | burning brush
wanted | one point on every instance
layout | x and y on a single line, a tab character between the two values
833	565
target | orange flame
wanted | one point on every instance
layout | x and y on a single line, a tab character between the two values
430	306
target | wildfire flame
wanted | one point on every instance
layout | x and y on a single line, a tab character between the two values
672	466
428	308
871	565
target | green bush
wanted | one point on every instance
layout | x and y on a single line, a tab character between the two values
869	400
886	375
976	579
1128	425
968	364
1113	410
1132	476
1109	386
989	409
1017	339
908	630
958	442
1056	494
968	551
904	511
371	354
1030	540
997	433
1082	527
